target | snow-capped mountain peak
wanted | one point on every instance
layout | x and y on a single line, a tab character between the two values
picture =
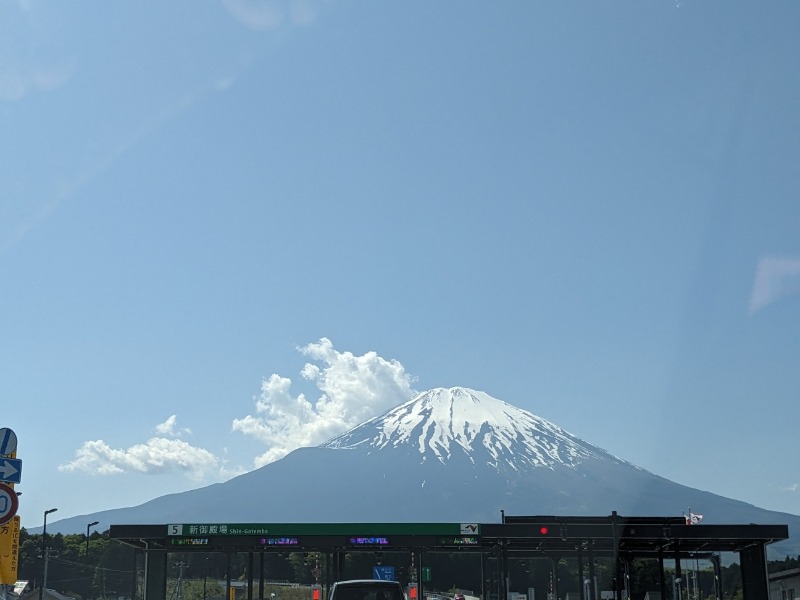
447	456
443	423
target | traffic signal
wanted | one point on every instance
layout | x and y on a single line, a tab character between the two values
544	530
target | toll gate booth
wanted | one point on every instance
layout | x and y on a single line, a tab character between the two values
583	540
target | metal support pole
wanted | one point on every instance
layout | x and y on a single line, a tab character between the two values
45	552
326	575
483	577
261	558
418	554
250	576
145	570
592	587
227	575
134	576
44	574
503	579
615	535
554	576
678	577
718	593
205	578
755	578
155	574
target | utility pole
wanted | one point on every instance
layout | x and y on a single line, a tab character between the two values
205	577
179	586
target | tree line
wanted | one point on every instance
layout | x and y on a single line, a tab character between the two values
94	567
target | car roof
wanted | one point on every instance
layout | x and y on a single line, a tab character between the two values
366	581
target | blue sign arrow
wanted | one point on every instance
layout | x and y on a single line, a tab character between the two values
385	573
10	470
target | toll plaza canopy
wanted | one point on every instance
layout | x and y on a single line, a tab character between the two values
581	537
640	536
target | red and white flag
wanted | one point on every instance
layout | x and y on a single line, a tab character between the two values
693	519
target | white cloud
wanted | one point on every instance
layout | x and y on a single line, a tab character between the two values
265	15
157	455
302	12
260	15
168	428
18	78
26	65
776	278
354	388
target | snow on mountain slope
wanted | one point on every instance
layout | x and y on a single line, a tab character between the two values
443	423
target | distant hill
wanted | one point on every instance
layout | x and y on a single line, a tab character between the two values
448	455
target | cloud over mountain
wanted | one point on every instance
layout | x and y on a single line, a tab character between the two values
353	389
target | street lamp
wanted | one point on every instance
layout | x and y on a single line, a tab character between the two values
92	524
86	558
45	552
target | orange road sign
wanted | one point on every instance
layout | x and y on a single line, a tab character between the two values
9	551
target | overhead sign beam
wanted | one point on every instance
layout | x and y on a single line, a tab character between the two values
564	536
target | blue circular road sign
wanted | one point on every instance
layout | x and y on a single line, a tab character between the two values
8	442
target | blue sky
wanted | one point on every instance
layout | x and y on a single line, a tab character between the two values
229	228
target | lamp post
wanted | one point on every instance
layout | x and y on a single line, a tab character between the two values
86	558
45	552
89	526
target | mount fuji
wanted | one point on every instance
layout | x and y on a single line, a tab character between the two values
448	455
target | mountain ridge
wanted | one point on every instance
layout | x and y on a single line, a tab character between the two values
448	455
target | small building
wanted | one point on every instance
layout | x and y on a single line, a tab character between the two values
784	585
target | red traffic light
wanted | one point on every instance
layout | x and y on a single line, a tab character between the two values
543	530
